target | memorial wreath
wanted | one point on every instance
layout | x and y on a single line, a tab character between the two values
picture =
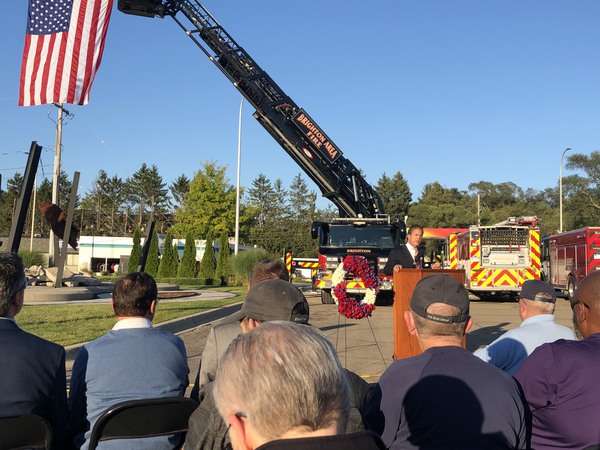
349	306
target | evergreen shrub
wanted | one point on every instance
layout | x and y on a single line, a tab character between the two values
243	262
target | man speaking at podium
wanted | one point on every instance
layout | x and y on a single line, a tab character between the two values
409	255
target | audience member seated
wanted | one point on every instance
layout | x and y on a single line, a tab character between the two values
281	386
220	336
445	397
536	308
132	361
266	301
33	370
560	379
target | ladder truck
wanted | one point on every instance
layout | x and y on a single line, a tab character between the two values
360	207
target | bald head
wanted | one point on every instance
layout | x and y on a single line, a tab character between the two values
586	305
588	291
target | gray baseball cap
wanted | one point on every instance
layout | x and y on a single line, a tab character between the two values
274	300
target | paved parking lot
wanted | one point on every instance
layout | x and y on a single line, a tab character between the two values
366	346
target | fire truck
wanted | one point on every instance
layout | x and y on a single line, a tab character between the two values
497	259
366	229
568	257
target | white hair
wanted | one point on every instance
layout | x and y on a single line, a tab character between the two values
283	376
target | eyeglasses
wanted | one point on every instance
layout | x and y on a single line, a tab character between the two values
579	301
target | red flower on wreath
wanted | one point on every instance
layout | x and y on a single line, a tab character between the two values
349	306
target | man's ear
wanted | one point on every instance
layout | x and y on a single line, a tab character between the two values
469	324
252	324
153	307
238	433
410	322
112	304
580	313
17	301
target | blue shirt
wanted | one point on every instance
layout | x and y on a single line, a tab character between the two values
125	364
509	350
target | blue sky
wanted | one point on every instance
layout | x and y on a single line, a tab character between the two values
453	91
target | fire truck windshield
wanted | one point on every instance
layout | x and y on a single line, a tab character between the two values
350	236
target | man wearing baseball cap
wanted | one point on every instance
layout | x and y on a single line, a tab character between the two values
536	308
267	301
445	397
221	335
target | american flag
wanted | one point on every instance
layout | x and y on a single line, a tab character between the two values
63	49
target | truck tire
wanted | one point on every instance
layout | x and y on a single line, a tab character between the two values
326	297
570	288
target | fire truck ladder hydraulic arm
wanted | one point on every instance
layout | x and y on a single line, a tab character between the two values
308	145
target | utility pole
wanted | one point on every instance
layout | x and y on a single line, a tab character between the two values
53	249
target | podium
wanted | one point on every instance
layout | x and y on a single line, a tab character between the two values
405	280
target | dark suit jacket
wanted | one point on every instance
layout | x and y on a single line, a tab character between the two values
32	380
401	256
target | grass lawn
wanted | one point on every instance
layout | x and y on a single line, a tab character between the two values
74	324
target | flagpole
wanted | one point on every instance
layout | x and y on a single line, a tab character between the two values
55	177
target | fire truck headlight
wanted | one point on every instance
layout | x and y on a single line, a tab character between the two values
485	251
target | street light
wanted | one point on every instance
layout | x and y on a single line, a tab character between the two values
560	194
237	196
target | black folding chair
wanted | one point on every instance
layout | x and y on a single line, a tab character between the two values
26	431
134	419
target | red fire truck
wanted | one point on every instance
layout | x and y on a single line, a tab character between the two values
568	257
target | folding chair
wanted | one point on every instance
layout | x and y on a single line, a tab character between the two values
26	431
134	419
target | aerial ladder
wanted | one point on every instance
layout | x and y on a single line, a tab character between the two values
362	227
292	127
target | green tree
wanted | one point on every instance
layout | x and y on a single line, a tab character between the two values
9	202
223	271
261	198
590	166
497	201
44	191
187	266
301	200
179	188
136	251
103	204
146	189
442	207
579	209
395	195
208	264
209	205
169	261
152	261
